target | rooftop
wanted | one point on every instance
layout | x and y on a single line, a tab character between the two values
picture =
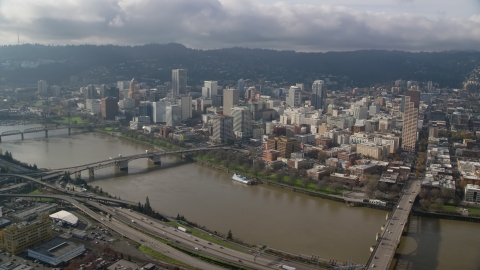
55	247
65	216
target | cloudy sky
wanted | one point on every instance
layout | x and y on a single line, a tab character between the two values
301	25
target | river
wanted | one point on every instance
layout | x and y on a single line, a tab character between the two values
261	214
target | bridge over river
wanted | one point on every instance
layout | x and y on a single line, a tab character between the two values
121	162
42	129
389	239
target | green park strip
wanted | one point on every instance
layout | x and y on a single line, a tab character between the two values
157	255
108	129
38	192
64	120
207	237
271	178
450	209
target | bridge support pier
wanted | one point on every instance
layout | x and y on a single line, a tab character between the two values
69	131
121	166
22	136
46	133
78	175
91	173
155	160
0	138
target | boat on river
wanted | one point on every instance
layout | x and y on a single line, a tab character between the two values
241	179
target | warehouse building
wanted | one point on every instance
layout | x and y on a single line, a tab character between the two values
56	251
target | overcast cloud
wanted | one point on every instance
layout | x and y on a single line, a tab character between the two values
207	24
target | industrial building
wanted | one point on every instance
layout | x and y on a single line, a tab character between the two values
34	212
65	218
17	238
56	251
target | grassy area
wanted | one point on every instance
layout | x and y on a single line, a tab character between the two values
453	209
38	192
108	129
162	257
64	120
35	192
39	103
207	237
286	179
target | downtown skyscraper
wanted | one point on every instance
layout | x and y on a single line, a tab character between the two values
410	120
319	95
179	82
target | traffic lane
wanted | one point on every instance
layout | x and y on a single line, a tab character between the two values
136	236
200	243
162	248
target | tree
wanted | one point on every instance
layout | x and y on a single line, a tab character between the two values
335	186
322	184
395	188
279	176
230	235
322	156
6	168
383	187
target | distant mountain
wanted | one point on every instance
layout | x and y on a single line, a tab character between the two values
108	63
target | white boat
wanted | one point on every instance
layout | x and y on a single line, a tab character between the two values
241	179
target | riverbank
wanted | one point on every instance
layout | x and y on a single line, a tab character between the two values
337	198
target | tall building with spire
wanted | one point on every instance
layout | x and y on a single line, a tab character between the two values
134	91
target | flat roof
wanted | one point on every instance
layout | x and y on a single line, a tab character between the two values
123	265
4	222
34	210
55	247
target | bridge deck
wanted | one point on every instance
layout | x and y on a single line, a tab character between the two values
387	245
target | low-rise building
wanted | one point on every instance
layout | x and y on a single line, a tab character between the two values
472	193
345	179
34	212
56	251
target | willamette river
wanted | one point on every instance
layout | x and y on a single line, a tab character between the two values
256	214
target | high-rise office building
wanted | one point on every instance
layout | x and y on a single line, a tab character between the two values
222	129
209	89
410	120
173	115
159	111
109	108
294	96
186	103
230	99
111	92
242	122
56	90
42	88
179	82
319	95
90	92
360	112
241	88
134	91
145	109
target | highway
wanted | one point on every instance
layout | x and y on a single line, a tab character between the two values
187	240
77	194
390	238
121	222
131	233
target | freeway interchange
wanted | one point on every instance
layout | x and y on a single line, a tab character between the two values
140	231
